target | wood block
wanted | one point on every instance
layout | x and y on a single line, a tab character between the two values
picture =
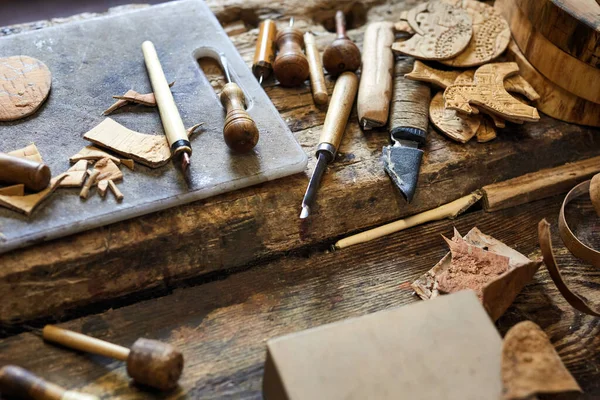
445	348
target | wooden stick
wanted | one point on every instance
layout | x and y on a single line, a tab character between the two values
450	210
85	190
538	185
317	77
113	187
84	343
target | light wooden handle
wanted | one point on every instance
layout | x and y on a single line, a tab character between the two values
375	90
264	54
85	343
169	115
339	110
317	76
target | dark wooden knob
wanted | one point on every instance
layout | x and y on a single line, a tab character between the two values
342	54
240	131
35	176
154	364
291	66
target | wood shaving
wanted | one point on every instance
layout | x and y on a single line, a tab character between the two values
14	190
93	153
30	152
27	204
76	174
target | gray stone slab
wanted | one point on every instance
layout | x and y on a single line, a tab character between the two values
94	59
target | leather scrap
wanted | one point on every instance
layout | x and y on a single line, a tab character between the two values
574	245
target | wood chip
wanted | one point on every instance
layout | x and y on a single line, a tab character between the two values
108	170
486	131
27	204
456	126
76	174
116	105
93	153
491	34
30	152
497	294
14	190
442	32
24	85
131	96
113	187
102	187
150	150
531	365
487	91
85	190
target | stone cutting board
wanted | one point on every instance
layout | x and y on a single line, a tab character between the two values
94	59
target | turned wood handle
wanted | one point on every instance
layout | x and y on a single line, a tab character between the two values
264	54
169	115
339	110
85	343
317	76
291	66
375	91
35	176
240	131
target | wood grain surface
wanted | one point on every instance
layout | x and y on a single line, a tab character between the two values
234	230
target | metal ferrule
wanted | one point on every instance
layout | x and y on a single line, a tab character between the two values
328	149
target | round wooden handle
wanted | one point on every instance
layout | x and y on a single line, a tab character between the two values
339	110
85	343
240	131
35	176
317	78
291	66
18	382
264	55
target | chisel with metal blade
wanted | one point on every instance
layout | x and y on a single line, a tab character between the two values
408	124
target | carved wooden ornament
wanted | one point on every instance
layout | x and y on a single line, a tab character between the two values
442	32
24	85
491	34
487	91
454	125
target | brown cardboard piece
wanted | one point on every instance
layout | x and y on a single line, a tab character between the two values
446	348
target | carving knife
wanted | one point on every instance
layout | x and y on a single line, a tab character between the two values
408	124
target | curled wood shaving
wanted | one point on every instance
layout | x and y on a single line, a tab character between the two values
27	204
131	96
93	153
531	365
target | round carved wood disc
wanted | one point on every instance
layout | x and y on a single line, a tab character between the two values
442	32
24	85
491	34
460	127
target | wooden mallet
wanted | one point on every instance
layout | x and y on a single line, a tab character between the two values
20	383
149	362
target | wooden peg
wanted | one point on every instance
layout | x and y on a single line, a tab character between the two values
342	54
317	78
20	383
149	362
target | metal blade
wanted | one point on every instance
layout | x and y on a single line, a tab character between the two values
402	164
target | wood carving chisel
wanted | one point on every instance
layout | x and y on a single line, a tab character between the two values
408	124
175	132
375	90
264	54
340	106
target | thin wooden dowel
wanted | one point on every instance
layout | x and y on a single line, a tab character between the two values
84	343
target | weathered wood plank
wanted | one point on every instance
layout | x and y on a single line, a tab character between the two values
232	230
222	326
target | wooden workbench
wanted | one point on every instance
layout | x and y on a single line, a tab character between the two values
242	268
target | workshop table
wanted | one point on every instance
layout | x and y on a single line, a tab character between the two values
241	268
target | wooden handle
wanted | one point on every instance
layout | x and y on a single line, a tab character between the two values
375	91
264	55
291	66
317	77
169	115
339	110
35	176
18	382
85	343
240	131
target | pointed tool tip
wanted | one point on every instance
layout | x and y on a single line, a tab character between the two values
185	161
305	212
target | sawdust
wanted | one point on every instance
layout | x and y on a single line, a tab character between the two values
471	267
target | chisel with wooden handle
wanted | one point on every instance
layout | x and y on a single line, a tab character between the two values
408	124
375	90
336	119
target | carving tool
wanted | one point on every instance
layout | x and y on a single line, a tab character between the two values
342	54
149	362
35	176
169	115
317	78
375	89
265	50
291	66
20	383
340	106
240	131
409	121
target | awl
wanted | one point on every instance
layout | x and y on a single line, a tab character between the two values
408	124
340	106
